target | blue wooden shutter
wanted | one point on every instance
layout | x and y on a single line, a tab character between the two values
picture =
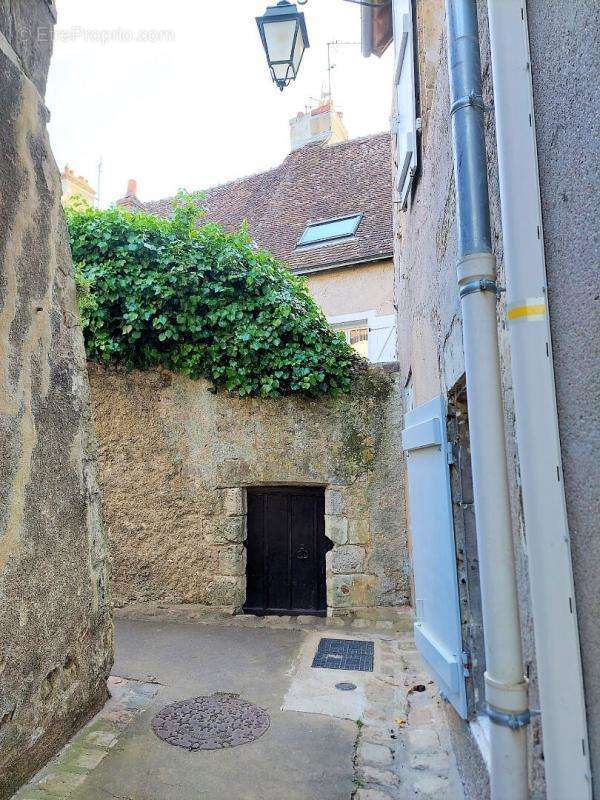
437	627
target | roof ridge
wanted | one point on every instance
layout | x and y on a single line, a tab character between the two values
278	167
225	184
359	139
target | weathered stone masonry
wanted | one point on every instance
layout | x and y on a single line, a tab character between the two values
55	628
176	460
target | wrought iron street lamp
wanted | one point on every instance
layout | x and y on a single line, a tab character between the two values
284	37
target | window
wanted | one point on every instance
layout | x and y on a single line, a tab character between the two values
329	230
358	338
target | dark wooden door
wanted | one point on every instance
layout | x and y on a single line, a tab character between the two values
286	551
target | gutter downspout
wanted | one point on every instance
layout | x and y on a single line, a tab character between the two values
566	752
505	684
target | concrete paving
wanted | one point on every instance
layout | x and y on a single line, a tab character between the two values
387	740
301	757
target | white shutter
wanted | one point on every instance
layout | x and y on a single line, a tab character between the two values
404	120
437	627
382	338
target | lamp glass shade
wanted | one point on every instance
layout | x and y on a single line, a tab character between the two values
298	53
284	38
280	37
280	71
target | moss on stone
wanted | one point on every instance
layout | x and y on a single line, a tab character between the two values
370	391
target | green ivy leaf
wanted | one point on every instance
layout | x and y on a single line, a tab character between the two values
201	302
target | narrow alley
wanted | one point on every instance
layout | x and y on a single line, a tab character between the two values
384	740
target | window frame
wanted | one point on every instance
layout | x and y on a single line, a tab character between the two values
359	217
350	327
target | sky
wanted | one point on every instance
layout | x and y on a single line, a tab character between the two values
178	95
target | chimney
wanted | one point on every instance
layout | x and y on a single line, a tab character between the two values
131	201
75	186
321	124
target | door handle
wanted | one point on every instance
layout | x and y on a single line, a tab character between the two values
302	553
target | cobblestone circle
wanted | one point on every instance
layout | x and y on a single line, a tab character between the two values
210	723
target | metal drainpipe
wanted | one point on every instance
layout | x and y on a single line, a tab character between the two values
505	684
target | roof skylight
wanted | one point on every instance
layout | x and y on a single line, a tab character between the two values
329	230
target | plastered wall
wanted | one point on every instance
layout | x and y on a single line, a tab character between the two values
430	348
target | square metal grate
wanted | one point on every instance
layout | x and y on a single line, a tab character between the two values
344	654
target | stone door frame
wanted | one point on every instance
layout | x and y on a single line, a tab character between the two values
349	586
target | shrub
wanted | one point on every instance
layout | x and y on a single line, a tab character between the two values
201	302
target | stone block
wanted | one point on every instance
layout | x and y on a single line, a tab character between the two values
347	591
307	620
228	590
372	794
349	558
374	754
101	738
431	762
422	740
335	622
234	502
61	782
358	531
34	794
336	529
431	786
334	502
89	759
226	530
383	777
232	560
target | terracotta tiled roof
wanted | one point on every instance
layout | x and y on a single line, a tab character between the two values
315	182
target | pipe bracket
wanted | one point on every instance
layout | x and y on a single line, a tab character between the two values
513	721
468	101
481	285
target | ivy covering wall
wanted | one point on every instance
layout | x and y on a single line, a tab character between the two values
201	302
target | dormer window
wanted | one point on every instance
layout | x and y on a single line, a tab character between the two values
330	230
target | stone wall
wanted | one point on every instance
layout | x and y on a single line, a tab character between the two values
55	628
176	459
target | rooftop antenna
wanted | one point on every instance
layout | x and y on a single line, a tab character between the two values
330	66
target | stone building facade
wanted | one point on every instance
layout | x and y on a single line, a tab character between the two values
176	461
55	626
430	330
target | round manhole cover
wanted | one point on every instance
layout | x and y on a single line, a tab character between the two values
210	723
345	687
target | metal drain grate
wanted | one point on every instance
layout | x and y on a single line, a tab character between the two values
344	654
